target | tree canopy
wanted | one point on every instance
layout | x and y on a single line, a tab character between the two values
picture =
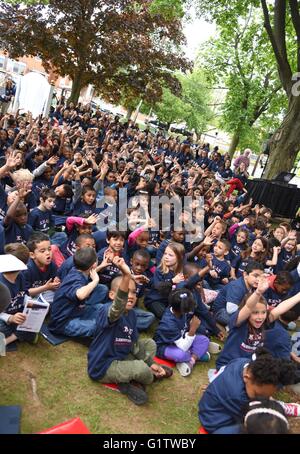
241	60
281	21
110	43
191	106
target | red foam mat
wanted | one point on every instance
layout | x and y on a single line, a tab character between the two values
73	426
112	386
164	362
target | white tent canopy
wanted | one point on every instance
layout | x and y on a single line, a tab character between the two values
34	93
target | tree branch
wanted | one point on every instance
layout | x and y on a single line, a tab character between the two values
238	62
277	38
260	109
296	22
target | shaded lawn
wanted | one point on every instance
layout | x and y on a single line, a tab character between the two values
51	384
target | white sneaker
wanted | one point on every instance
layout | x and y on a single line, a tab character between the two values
214	348
290	409
184	369
292	326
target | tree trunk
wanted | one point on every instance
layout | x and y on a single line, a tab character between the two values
234	143
285	143
129	113
77	85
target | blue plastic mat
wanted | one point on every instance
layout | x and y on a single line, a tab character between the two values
10	419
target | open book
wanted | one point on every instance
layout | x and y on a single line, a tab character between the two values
35	312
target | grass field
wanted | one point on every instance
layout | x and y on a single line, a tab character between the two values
51	385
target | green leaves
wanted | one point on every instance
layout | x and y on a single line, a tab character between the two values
113	44
242	60
191	107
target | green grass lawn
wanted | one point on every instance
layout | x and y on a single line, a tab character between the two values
51	385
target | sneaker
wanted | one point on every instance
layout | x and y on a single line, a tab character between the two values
214	348
292	326
184	369
136	394
290	409
205	358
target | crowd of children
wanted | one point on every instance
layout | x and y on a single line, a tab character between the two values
228	270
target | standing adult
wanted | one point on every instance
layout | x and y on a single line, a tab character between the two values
7	96
243	158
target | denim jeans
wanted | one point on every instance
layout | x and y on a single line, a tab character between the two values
58	238
85	325
99	295
144	319
222	317
227	430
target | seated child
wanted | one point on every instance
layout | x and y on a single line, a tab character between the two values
221	405
82	241
41	218
176	337
76	303
264	416
13	316
249	325
15	222
139	266
41	273
230	297
193	275
76	226
116	354
169	271
115	247
218	276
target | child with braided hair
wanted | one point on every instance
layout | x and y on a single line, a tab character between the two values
220	407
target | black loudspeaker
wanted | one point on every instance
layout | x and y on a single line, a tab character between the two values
284	177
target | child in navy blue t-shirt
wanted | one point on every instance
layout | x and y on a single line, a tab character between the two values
218	276
257	252
176	337
287	253
82	241
15	222
230	297
41	218
76	226
87	203
76	303
16	283
41	275
247	325
279	287
170	271
239	243
115	247
142	276
221	406
116	354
